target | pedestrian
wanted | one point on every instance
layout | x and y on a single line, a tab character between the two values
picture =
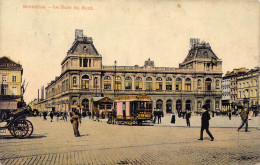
173	118
97	116
51	115
244	118
160	114
75	123
229	115
188	115
65	116
155	114
44	115
57	115
205	123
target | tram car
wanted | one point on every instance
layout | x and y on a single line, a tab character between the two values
133	109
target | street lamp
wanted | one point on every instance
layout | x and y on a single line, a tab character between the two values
115	62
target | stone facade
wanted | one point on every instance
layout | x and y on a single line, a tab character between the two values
248	87
197	81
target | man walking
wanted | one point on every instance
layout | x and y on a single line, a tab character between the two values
75	122
65	116
205	123
51	115
244	117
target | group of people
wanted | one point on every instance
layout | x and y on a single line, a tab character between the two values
157	114
64	115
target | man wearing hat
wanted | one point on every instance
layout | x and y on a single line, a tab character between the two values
205	123
244	118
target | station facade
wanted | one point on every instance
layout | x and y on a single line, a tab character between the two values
195	82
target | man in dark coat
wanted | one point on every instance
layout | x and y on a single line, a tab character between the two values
188	115
244	118
205	123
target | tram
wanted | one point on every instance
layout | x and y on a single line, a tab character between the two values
133	109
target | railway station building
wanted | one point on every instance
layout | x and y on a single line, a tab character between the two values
195	82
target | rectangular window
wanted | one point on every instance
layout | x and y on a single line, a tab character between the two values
14	91
168	86
149	86
107	84
85	62
14	78
89	63
4	78
80	62
158	85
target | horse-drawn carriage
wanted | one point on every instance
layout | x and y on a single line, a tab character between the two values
13	113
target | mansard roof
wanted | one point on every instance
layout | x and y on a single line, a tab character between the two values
82	45
7	64
200	51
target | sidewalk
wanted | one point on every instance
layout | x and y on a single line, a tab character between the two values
215	122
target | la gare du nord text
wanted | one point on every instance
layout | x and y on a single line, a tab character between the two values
59	7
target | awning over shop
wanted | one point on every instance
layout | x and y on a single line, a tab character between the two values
8	104
76	106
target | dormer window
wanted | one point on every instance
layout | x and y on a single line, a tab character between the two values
85	50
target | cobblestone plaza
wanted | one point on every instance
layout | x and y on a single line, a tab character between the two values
101	143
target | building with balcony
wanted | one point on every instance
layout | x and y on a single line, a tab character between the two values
197	81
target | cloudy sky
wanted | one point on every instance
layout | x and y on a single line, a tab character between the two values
127	31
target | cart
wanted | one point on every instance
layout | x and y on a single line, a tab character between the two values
16	122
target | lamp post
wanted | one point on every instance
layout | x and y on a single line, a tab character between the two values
115	62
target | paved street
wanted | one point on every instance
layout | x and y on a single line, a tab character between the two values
101	143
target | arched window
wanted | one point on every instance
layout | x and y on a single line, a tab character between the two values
178	105
85	103
138	83
159	104
217	84
199	105
187	84
199	83
169	106
118	83
217	104
128	82
208	84
188	105
85	82
149	83
178	84
107	82
159	83
168	83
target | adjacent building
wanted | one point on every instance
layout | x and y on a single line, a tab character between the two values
229	87
10	82
195	82
248	87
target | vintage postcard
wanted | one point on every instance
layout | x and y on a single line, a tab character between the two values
129	82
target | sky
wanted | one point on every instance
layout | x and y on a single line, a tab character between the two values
127	31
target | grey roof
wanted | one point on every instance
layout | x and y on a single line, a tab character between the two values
201	51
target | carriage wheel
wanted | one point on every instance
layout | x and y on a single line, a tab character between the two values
20	128
30	129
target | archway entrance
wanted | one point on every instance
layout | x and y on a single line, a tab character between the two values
85	104
169	106
159	104
188	105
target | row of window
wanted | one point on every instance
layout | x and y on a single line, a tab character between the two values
253	83
4	78
138	85
4	90
245	93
